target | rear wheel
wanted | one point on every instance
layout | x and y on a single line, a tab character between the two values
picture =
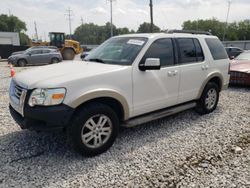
209	99
21	63
54	60
94	129
68	54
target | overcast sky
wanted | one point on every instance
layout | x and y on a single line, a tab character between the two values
168	14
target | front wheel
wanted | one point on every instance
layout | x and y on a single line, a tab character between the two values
209	99
94	129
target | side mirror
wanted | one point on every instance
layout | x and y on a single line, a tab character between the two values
150	64
231	57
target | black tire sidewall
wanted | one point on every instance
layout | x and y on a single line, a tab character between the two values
78	122
54	58
21	63
201	105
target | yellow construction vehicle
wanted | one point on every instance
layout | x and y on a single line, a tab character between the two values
68	48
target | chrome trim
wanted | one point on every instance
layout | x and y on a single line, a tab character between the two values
157	115
17	97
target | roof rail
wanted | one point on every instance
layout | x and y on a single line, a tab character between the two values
190	32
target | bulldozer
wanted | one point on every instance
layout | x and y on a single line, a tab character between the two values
68	48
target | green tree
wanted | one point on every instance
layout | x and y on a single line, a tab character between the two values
94	34
11	24
234	31
24	39
145	28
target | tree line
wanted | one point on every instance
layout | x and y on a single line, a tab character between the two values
91	33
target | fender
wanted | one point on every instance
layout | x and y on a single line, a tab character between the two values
98	93
209	77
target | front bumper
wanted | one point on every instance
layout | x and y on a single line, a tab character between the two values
38	117
43	118
239	78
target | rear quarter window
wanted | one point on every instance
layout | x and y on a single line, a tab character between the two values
216	48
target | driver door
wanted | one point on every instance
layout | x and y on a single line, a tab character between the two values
156	89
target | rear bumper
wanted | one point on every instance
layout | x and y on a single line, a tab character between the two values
43	118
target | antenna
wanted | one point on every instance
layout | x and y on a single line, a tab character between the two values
69	15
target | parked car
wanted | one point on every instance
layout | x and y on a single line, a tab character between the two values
35	47
35	56
240	69
233	52
132	79
84	54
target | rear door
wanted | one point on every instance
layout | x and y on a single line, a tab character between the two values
35	57
46	56
193	68
156	89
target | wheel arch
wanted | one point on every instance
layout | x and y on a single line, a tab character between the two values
109	97
213	77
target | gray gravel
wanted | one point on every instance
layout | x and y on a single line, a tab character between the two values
185	150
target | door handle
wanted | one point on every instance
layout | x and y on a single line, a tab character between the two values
204	67
172	73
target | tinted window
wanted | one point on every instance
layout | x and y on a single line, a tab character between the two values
199	52
162	49
46	51
36	52
187	50
216	48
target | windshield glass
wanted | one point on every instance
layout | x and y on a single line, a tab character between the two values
118	51
243	56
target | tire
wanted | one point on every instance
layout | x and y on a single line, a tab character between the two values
21	63
209	99
54	60
83	138
68	54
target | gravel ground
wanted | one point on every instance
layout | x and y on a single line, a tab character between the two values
185	150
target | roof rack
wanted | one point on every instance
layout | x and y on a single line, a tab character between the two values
190	32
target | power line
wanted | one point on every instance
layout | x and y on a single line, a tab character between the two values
111	17
151	16
225	27
69	15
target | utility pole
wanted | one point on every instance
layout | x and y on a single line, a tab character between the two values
81	20
151	16
69	15
225	27
36	31
111	17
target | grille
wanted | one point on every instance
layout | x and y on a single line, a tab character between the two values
18	91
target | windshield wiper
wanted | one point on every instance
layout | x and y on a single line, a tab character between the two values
96	60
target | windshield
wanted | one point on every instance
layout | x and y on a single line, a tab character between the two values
118	51
243	56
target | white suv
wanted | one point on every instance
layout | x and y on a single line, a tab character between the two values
128	80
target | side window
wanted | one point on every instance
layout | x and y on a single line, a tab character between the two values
216	48
199	52
187	50
46	51
162	49
36	52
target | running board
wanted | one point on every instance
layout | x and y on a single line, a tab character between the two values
157	115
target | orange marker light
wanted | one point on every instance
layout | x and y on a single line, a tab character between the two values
58	96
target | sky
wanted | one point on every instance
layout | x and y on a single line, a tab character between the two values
50	15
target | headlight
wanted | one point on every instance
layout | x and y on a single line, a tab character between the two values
47	97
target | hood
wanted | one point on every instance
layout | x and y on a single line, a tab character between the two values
57	74
243	66
19	52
